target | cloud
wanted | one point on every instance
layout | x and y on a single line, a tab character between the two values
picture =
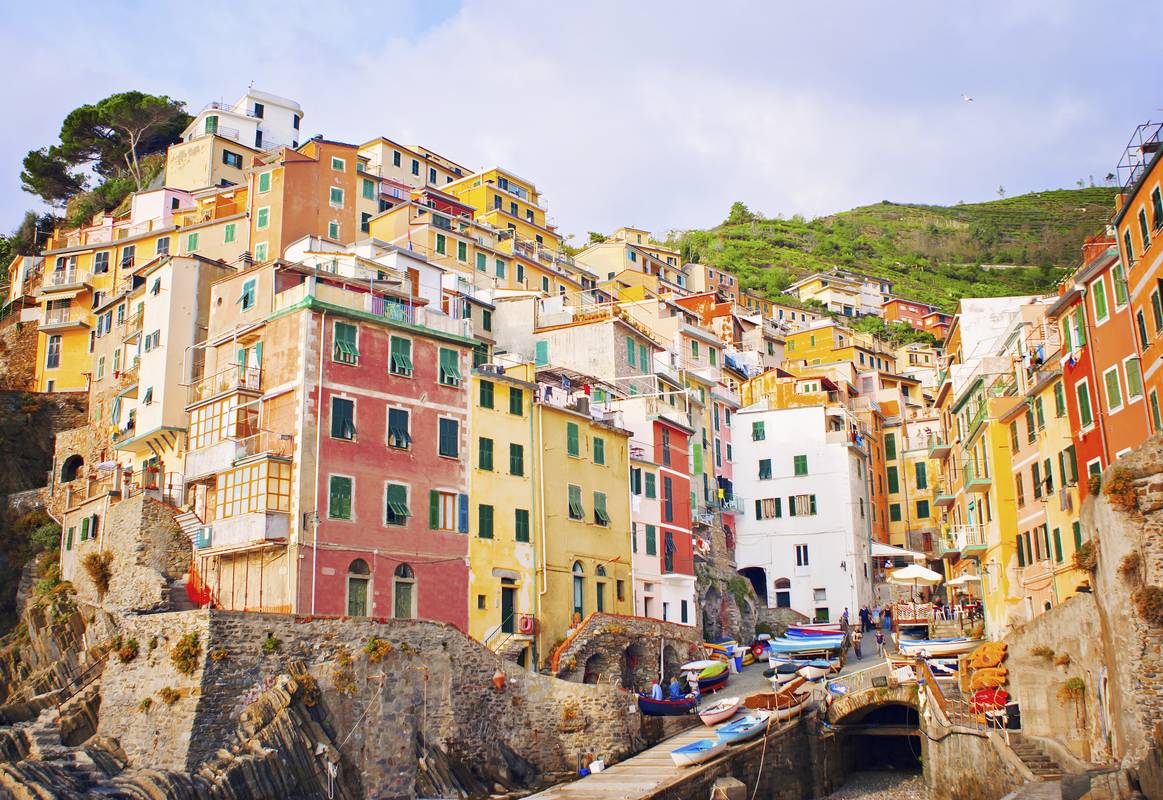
655	114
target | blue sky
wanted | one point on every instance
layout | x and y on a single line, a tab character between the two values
654	114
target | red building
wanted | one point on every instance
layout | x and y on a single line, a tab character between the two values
1101	371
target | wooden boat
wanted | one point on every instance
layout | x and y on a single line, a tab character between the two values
700	665
814	670
697	752
816	629
720	650
714	683
748	656
667	708
804	644
782	705
937	648
783	674
720	711
744	728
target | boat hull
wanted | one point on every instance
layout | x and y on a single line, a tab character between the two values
745	728
697	752
713	684
667	708
720	712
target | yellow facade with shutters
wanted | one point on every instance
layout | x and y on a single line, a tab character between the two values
507	202
503	577
911	480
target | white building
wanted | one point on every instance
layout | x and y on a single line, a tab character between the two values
804	535
257	119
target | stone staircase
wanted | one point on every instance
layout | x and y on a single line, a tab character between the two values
511	648
1036	759
77	765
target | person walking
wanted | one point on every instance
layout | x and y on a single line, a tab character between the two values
863	614
880	643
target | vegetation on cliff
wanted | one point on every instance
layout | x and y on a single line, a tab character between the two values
934	254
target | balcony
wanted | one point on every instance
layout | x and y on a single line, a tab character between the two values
235	378
969	539
60	280
733	505
247	530
975	475
265	444
943	498
847	438
131	325
656	409
386	308
939	448
947	546
56	319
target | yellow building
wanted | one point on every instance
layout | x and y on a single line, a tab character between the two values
827	342
910	481
503	596
207	161
507	202
581	468
632	249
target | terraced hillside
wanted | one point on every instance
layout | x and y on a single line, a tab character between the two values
933	253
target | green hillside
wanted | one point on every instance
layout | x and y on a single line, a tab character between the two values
932	253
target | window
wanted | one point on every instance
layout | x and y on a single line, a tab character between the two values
449	438
922	475
486	319
462	251
339	497
260	252
890	446
1144	231
486	394
667	499
1036	480
1040	412
415	167
651	541
485	454
333	230
262	218
1085	417
576	509
516	401
1020	489
1156	417
128	256
1114	395
335	198
447	511
651	491
338	164
441	244
232	159
1157	209
631	352
396	504
599	450
228	233
801	465
210	125
53	353
344	345
1119	281
643	361
516	459
401	356
764	469
1141	324
1098	295
399	435
404	593
666	450
922	509
802	555
769	508
485	521
342	418
541	353
894	512
247	298
572	446
802	505
1059	400
782	593
757	432
521	524
600	515
358	578
482	262
369	189
101	262
893	480
1134	378
1048	477
264	182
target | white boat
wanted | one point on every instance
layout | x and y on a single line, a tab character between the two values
937	648
699	666
744	728
720	711
697	752
792	708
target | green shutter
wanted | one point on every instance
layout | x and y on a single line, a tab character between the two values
631	351
890	446
516	401
571	439
1041	413
651	491
894	512
1080	325
1058	545
1084	414
449	367
339	498
84	529
698	451
482	262
434	510
778	507
643	360
651	543
791	505
485	454
600	515
1021	552
922	475
541	350
801	465
521	524
1077	529
401	362
599	450
485	521
1059	400
486	394
516	459
893	480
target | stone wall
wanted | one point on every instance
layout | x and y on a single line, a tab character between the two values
28	424
1071	633
431	692
89	442
18	356
149	553
625	651
963	765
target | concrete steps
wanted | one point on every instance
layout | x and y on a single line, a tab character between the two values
1036	759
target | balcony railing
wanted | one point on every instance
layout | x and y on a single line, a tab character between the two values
967	537
265	443
233	378
58	278
57	316
975	475
376	305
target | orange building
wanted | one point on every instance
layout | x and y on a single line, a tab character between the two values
1138	223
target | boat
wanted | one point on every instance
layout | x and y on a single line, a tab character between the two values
667	708
817	629
710	675
814	670
720	650
937	648
748	656
720	711
784	674
744	728
700	665
782	705
714	683
697	752
804	644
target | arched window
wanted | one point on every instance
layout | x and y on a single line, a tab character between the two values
358	581
71	468
600	587
404	593
782	593
579	589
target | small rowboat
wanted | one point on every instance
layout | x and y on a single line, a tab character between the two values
937	648
714	683
783	674
744	728
721	711
782	705
814	670
699	666
697	752
667	708
819	629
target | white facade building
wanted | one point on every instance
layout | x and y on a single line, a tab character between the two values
257	119
804	534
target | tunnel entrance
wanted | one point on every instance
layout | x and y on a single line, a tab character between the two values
880	745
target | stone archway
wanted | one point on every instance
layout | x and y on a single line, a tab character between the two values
638	666
597	669
757	577
71	468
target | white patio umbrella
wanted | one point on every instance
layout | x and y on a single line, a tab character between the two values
914	575
961	580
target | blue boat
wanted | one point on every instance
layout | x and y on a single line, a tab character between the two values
744	728
667	708
697	752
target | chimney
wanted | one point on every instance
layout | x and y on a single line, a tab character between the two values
582	404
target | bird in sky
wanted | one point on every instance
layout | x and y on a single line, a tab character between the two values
966	98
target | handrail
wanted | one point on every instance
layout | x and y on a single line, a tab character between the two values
84	676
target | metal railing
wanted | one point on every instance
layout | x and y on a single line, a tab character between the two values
56	316
235	376
65	277
1134	161
269	443
967	536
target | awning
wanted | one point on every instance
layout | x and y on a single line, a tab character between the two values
889	551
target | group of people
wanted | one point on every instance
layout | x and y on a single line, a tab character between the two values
875	619
674	691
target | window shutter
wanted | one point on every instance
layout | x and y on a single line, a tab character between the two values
813	503
759	509
84	529
1021	553
462	512
778	507
541	353
791	505
93	527
571	439
434	509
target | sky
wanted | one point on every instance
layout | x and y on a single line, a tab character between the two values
652	114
